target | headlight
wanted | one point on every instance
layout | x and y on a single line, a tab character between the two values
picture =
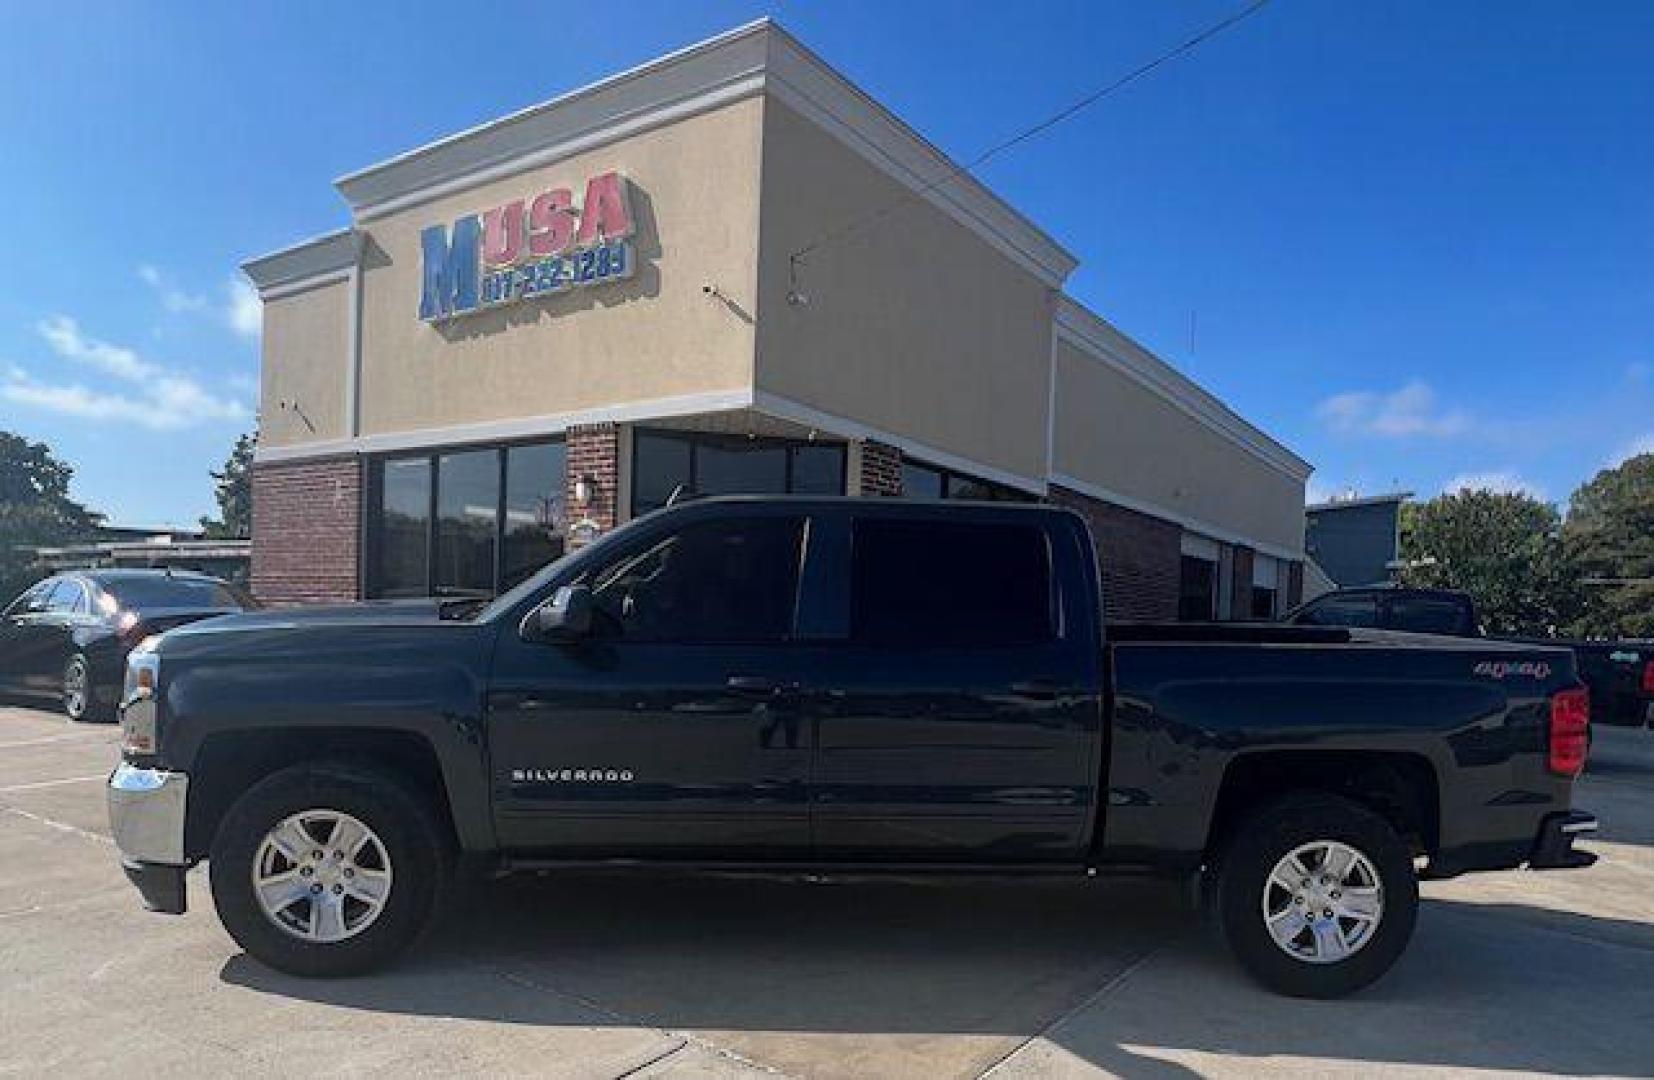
138	703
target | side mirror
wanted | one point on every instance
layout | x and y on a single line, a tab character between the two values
565	617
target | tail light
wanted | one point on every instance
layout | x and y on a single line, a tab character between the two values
1648	678
1570	731
130	627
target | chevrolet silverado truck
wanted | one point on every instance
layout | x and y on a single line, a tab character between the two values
835	687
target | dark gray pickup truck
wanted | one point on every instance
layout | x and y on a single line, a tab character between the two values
836	686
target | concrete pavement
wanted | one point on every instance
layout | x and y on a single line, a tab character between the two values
604	977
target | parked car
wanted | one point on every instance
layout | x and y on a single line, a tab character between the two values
1620	674
67	637
835	685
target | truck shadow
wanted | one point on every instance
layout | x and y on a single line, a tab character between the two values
1111	974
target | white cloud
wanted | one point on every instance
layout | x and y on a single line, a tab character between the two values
63	335
1634	448
240	311
172	297
152	395
245	312
1404	413
1500	482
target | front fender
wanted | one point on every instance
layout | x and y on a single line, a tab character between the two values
394	683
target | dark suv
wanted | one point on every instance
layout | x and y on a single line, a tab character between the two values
1420	611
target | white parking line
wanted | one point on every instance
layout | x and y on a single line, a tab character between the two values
61	826
73	736
53	783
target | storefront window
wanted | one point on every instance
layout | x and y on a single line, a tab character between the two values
706	464
921	481
468	508
484	536
403	527
745	467
818	470
660	465
1197	591
535	523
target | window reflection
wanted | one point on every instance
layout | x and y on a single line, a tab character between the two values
482	539
709	464
468	502
535	521
403	527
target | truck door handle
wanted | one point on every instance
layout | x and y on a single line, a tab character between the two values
758	685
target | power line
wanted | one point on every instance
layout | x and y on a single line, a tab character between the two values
857	224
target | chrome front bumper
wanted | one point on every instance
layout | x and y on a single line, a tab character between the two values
146	816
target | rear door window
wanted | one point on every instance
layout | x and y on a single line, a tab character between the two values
1353	609
917	582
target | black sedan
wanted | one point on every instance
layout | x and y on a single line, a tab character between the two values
68	636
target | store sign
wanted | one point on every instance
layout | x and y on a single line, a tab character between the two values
527	248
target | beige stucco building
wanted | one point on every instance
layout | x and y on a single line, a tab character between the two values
727	270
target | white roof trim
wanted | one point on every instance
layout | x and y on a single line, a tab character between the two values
1102	341
1193	524
306	264
505	430
756	58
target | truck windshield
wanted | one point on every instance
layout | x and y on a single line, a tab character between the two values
531	584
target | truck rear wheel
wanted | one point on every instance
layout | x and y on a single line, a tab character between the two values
328	869
1316	896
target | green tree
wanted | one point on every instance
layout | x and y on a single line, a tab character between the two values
1505	550
1610	540
233	489
35	510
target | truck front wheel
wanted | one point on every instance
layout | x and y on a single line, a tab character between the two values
328	869
1317	896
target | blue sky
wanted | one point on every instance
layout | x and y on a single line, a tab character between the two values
1414	240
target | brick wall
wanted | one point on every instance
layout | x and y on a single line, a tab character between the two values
1139	557
1240	586
594	452
881	469
307	531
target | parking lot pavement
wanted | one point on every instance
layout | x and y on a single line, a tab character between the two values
606	977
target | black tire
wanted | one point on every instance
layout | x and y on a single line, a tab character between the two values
1259	844
416	842
86	706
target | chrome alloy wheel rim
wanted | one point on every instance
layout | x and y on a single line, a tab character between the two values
1323	902
75	688
322	876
